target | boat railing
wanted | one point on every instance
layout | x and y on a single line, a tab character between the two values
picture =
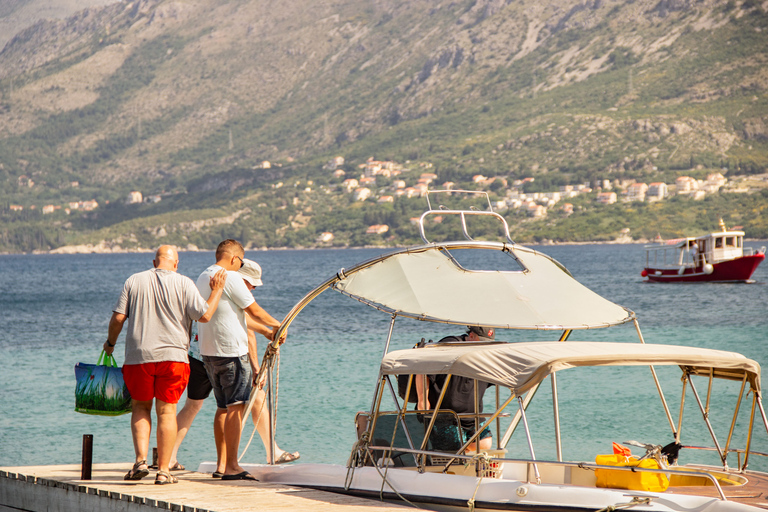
752	251
672	256
738	451
462	214
582	465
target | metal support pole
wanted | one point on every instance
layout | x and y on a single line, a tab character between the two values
658	387
498	422
749	433
530	441
528	397
517	417
389	335
686	378
401	410
434	413
705	414
556	414
735	415
270	416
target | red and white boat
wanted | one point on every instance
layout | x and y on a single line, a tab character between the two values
718	256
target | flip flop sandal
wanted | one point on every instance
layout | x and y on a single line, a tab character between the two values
169	478
216	474
287	457
138	471
241	476
177	467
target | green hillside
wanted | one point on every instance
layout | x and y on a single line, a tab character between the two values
185	102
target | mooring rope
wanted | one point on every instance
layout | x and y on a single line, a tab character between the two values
266	363
619	506
478	458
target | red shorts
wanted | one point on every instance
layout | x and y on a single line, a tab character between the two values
165	380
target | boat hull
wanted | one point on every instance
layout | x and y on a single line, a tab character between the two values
447	492
735	270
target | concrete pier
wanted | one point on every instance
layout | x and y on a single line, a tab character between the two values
59	489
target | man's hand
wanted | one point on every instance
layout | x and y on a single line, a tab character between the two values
108	348
259	380
274	333
218	280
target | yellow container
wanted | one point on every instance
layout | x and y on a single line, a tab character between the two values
631	480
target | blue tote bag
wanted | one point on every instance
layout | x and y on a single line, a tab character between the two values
100	388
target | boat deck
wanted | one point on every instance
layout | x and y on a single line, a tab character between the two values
59	489
754	493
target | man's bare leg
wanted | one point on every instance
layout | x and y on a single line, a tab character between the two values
166	433
232	438
261	419
219	420
184	420
141	427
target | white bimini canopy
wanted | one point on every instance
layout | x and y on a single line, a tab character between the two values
427	283
520	366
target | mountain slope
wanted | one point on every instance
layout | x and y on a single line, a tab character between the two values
158	95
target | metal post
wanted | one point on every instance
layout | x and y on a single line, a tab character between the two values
517	417
434	414
735	415
749	433
658	386
389	335
705	414
762	411
528	397
686	378
530	441
556	413
87	462
270	417
498	422
401	410
477	411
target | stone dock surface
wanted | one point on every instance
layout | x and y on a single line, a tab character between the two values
59	489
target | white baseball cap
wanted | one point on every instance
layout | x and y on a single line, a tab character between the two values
251	272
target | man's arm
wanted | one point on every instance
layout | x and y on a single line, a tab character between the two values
420	381
257	313
217	287
115	327
253	356
253	325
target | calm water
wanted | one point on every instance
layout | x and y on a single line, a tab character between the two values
54	312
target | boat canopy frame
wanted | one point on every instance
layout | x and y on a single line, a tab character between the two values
548	288
532	362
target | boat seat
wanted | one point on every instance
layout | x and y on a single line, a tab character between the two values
387	426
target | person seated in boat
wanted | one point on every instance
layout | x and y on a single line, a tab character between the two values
459	397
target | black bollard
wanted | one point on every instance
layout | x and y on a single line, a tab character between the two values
85	470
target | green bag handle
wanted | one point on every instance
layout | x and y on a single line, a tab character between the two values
109	359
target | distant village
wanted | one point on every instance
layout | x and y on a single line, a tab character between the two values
404	182
536	204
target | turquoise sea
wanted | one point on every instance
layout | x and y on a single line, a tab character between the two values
54	311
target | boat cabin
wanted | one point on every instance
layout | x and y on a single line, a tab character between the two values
695	252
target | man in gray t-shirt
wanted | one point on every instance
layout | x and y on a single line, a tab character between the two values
159	306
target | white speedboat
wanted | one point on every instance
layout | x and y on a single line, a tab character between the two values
398	455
